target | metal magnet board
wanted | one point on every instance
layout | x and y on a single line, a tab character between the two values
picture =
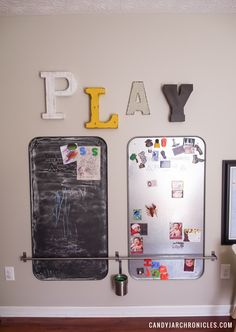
166	194
68	177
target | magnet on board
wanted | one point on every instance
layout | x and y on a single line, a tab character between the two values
148	273
164	276
189	265
69	153
135	229
157	143
133	157
137	214
155	155
196	160
163	269
178	150
147	262
139	229
199	150
177	194
189	141
156	265
192	235
175	230
163	154
140	270
177	189
94	152
151	210
189	149
82	150
136	245
148	143
152	183
174	144
155	273
177	184
143	157
163	142
165	164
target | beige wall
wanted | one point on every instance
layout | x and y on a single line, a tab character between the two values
113	51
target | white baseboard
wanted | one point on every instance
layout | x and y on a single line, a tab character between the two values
128	311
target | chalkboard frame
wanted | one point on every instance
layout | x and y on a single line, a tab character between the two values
68	269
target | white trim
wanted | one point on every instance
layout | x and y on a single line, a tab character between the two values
128	311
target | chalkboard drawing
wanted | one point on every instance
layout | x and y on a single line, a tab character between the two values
61	211
69	153
89	163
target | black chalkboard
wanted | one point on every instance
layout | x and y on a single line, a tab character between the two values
68	207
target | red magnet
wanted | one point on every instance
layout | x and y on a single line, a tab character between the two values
148	262
148	273
163	142
163	269
164	276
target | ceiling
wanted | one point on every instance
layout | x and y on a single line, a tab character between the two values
60	7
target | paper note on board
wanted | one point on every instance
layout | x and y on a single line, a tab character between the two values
89	163
69	153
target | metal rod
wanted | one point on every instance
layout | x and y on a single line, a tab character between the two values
118	258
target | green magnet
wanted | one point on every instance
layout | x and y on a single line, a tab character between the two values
134	157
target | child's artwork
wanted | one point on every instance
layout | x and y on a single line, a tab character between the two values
69	153
88	163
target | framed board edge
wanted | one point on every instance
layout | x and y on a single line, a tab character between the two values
204	205
31	145
225	208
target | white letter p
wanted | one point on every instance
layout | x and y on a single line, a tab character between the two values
52	93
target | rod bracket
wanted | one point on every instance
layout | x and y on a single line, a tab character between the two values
213	255
119	261
23	258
